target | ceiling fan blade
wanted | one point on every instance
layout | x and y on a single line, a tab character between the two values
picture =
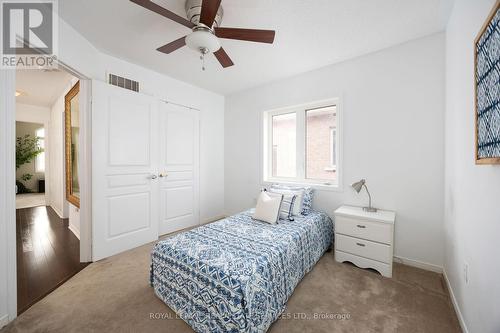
251	35
172	46
209	9
164	12
223	58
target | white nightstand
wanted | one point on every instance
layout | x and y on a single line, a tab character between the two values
365	239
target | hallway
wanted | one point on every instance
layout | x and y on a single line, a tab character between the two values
48	254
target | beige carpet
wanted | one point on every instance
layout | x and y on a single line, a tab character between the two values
113	295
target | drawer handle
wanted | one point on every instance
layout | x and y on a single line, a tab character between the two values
361	226
360	244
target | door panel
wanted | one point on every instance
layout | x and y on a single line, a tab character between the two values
180	136
179	201
125	207
129	132
179	155
128	213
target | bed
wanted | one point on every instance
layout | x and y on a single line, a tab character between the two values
236	275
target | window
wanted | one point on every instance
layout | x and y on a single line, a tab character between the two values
40	158
319	145
301	144
284	145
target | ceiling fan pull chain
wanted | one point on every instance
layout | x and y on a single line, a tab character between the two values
202	58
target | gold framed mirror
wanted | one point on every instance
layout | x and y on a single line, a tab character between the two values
71	134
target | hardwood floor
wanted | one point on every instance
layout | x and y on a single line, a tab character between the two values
48	254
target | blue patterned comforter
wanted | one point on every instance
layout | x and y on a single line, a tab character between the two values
236	275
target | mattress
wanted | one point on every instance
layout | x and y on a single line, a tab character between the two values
236	275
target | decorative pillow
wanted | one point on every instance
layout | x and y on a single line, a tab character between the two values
268	209
299	194
306	199
287	204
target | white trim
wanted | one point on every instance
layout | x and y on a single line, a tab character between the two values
4	320
461	319
58	212
418	264
315	186
7	192
333	142
74	230
85	232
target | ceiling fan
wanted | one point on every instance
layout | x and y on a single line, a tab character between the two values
204	18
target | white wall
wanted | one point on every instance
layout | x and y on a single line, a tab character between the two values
472	192
32	113
393	106
57	157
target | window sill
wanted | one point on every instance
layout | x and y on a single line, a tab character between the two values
335	187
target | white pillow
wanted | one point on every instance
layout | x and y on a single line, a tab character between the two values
297	207
268	209
287	204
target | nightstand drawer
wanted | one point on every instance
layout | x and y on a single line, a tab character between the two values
375	231
364	248
383	268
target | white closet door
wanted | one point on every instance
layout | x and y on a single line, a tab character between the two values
179	168
124	167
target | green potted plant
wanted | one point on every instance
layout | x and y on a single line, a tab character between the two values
27	148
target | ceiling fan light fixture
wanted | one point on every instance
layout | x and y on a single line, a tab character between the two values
202	40
204	18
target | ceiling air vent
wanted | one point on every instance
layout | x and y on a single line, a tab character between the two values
123	82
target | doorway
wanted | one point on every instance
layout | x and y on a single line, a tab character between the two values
30	164
47	223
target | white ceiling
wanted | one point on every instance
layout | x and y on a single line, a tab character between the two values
40	87
309	34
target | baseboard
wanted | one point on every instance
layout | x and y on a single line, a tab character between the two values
418	264
57	211
213	219
74	230
4	320
455	303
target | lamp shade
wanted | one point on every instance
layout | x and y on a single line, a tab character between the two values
357	186
202	39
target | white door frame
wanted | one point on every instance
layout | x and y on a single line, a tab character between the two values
8	190
8	173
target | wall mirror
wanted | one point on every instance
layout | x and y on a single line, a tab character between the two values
72	132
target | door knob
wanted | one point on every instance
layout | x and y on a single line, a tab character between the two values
153	177
163	174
